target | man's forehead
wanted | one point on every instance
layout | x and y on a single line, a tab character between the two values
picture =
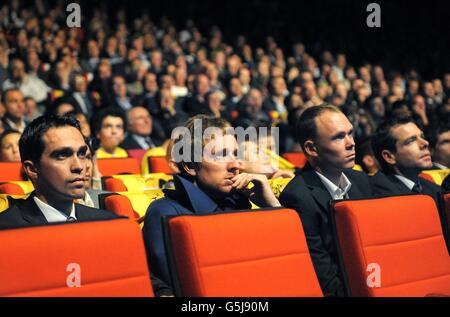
330	121
404	131
63	137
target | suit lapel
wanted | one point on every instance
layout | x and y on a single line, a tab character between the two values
30	211
318	190
398	184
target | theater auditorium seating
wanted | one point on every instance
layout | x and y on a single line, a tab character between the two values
16	188
248	254
113	166
10	171
158	164
403	237
435	176
130	204
296	158
42	261
136	183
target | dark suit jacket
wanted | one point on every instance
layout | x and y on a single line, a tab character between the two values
389	185
310	198
25	213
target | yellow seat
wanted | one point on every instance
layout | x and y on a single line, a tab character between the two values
4	203
437	175
156	151
139	183
141	200
358	168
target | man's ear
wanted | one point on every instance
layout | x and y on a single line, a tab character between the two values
189	168
30	169
368	160
389	157
310	148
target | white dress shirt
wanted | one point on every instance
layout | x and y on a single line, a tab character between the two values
52	214
406	181
440	166
336	192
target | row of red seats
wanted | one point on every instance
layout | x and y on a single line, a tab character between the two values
12	171
389	247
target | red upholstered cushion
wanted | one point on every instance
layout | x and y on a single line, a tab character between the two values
11	189
120	205
10	171
296	158
113	166
115	185
158	164
400	234
258	253
110	255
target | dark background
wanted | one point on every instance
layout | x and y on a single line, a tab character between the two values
413	35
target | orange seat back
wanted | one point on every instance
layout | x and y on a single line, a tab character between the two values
393	246
137	154
296	158
428	177
113	166
10	171
249	254
120	205
158	164
114	185
104	258
11	189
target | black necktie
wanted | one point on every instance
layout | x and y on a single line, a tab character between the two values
70	219
417	188
149	142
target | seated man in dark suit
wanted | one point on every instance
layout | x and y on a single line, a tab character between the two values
143	131
53	155
400	147
326	136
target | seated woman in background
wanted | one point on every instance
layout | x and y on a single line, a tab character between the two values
9	146
109	128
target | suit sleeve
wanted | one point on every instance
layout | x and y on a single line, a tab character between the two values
154	238
325	267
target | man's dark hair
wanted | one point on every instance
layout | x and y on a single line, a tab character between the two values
109	112
31	145
363	148
433	134
383	139
306	124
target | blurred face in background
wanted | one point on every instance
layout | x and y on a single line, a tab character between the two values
10	148
111	133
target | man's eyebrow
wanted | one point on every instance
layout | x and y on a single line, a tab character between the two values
411	138
61	150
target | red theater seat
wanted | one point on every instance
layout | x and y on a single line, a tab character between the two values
248	254
158	164
296	158
113	166
44	261
10	171
398	237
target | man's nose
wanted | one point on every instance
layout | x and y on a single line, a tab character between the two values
424	143
78	165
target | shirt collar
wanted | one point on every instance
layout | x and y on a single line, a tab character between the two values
199	200
335	191
406	181
52	214
440	166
